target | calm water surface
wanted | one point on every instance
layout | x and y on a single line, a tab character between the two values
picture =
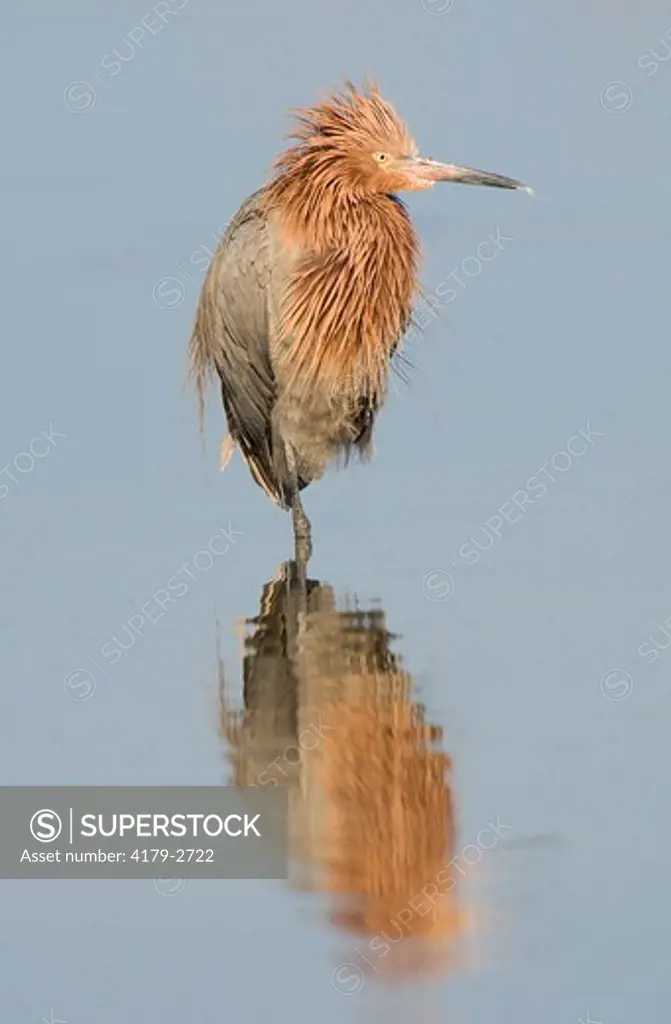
483	657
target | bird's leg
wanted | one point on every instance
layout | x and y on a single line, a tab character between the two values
302	528
303	550
302	531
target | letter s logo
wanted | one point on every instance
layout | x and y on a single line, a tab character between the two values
45	826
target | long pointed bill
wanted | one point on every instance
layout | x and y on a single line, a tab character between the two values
432	170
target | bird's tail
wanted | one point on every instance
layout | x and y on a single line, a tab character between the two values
271	472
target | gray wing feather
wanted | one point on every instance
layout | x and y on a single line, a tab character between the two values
231	336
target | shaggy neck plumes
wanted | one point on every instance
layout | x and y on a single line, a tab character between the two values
315	194
349	299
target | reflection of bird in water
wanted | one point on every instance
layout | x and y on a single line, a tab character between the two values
329	712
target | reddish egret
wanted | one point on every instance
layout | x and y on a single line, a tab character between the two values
311	290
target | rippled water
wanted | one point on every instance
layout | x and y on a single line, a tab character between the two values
472	692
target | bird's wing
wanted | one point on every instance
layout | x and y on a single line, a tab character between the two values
231	336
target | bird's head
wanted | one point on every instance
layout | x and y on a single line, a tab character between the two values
355	142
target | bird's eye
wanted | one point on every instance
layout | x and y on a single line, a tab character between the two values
381	158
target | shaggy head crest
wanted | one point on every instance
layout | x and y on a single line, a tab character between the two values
349	142
353	119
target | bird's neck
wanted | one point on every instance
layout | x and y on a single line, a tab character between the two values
349	297
322	215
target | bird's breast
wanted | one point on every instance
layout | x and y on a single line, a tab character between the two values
339	310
